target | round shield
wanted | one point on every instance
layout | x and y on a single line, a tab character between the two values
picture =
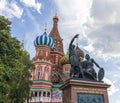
101	74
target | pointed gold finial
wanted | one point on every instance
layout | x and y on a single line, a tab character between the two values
55	17
45	29
56	14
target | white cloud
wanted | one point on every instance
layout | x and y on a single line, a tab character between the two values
10	9
105	10
29	43
97	20
35	23
73	14
33	4
117	64
105	40
118	101
34	32
102	29
113	89
3	3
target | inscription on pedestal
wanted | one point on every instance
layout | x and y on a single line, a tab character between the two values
89	98
89	90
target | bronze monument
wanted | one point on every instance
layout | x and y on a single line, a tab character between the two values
84	85
83	69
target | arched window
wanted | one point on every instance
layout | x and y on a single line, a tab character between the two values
48	94
39	93
41	52
35	94
44	94
38	75
46	76
46	53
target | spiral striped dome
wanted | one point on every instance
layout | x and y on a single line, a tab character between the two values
44	40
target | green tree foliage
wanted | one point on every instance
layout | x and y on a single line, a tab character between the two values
14	67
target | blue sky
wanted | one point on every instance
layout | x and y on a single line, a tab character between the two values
97	22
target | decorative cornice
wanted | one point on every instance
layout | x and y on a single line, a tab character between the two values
42	60
66	72
40	89
56	85
42	81
85	84
42	46
56	52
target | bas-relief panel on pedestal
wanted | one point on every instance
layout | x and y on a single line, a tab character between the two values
89	98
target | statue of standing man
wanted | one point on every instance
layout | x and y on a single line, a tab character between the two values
74	59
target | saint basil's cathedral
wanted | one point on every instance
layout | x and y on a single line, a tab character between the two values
52	66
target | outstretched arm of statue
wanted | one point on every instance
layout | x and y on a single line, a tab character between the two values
76	36
96	64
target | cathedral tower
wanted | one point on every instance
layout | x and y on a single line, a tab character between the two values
57	51
42	74
47	74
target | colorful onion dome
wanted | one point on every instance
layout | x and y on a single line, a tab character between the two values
44	39
80	53
64	60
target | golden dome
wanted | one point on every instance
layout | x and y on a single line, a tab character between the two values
55	17
64	60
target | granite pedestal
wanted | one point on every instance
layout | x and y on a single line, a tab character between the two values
79	91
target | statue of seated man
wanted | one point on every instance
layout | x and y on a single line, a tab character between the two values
88	68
